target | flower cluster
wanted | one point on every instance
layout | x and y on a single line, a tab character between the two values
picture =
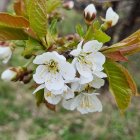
72	83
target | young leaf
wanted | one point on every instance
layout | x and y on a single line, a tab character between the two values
94	32
80	30
19	7
52	5
128	46
116	56
13	27
12	21
121	84
39	97
101	36
38	17
7	33
33	47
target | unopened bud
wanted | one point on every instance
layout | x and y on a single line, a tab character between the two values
68	5
13	74
5	53
90	13
9	75
111	17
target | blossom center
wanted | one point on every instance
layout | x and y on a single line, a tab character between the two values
53	66
85	103
82	58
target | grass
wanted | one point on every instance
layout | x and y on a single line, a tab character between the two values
20	119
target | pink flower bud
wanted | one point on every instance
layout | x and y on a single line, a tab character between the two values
68	5
90	13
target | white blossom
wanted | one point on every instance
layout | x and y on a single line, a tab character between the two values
54	97
53	70
111	16
8	75
89	61
84	103
5	54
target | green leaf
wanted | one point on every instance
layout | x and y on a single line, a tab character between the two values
39	97
33	47
7	33
80	30
121	84
52	5
53	27
94	32
38	17
101	36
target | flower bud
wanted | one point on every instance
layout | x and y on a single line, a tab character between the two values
9	75
68	5
5	53
90	13
111	17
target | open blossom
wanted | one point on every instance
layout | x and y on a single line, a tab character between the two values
5	54
8	75
53	70
89	61
84	103
111	17
54	97
90	13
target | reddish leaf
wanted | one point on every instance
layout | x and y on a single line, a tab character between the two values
13	21
19	7
116	56
128	46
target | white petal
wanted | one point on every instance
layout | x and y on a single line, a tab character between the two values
97	103
97	82
84	80
90	9
52	99
96	58
39	76
112	16
100	74
89	103
75	86
54	81
72	81
77	51
61	91
46	57
92	46
61	57
67	70
39	88
68	93
72	103
83	69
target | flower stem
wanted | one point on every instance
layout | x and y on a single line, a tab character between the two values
29	62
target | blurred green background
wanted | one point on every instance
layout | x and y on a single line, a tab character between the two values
20	119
